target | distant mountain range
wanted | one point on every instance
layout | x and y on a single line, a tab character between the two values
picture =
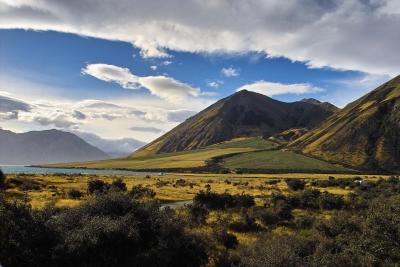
116	148
50	146
365	134
243	114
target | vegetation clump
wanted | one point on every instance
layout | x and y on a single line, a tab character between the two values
215	201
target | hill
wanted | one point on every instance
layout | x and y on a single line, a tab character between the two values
48	146
243	114
365	134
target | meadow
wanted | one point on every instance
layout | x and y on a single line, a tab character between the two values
43	189
232	220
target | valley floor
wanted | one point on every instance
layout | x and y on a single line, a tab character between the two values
43	189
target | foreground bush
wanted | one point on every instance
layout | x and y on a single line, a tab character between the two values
109	230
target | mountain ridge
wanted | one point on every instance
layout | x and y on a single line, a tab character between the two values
48	146
364	134
243	114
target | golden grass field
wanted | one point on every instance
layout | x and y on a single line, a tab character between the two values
53	188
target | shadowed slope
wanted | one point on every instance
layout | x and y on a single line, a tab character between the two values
365	134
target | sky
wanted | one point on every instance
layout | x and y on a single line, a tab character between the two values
135	69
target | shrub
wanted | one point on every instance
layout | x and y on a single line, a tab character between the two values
330	201
309	199
2	180
245	224
29	185
118	185
74	194
198	213
272	181
226	239
295	184
139	191
109	230
181	182
217	201
277	250
97	187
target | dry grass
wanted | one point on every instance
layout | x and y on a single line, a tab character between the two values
54	188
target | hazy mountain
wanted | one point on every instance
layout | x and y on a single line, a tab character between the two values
365	134
113	147
50	146
242	114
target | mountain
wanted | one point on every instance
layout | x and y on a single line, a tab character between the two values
243	114
365	134
116	148
50	146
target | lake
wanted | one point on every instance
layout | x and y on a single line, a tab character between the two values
38	170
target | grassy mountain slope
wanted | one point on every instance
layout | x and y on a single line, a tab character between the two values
242	153
278	160
243	114
182	159
365	134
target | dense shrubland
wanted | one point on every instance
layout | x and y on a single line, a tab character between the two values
117	226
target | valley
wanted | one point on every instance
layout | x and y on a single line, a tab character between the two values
251	154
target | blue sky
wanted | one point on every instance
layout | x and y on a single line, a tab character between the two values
82	69
56	59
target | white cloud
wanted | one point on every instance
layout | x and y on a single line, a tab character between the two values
164	87
111	73
230	72
271	89
214	84
166	62
153	67
344	34
168	88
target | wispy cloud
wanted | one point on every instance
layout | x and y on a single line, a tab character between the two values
271	88
214	83
230	72
111	73
145	129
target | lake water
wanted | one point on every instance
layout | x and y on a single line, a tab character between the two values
38	170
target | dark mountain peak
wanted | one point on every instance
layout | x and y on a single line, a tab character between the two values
311	101
243	114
